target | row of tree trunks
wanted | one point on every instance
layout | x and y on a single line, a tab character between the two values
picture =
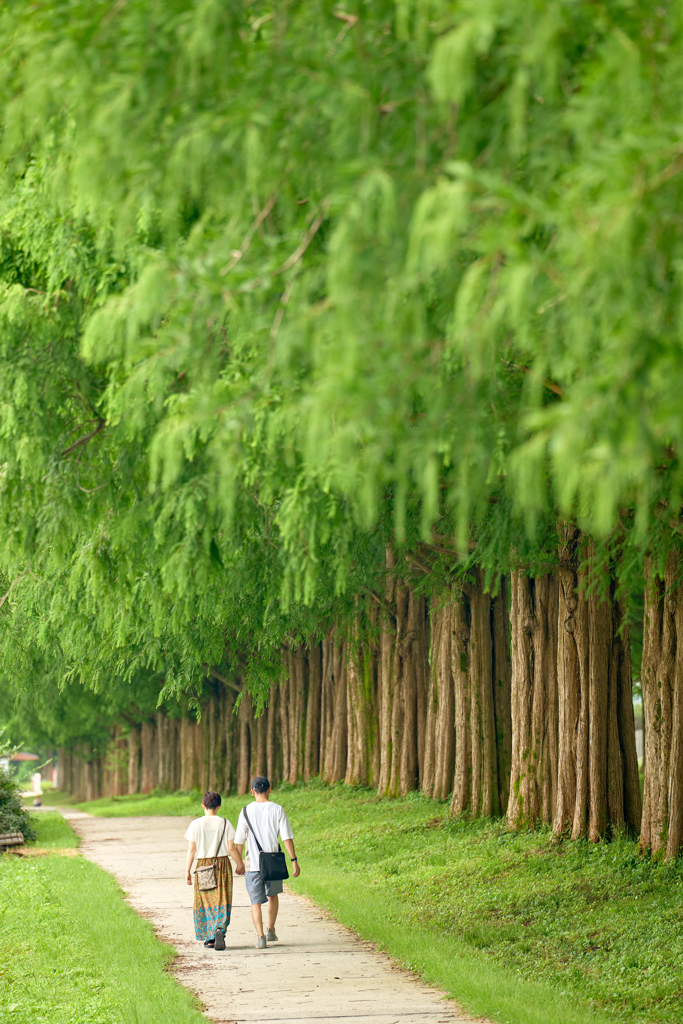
443	702
662	683
597	778
574	759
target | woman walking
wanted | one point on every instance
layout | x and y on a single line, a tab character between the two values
211	842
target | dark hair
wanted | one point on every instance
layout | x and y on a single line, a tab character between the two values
260	784
211	800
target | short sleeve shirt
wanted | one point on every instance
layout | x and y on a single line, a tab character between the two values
204	832
268	821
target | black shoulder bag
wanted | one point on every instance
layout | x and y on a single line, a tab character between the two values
272	866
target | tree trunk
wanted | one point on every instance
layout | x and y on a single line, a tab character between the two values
403	683
295	691
597	786
387	679
259	727
134	760
662	680
502	687
230	744
460	668
312	737
271	737
165	752
189	755
358	714
533	617
334	719
119	756
244	755
485	801
481	673
150	759
439	745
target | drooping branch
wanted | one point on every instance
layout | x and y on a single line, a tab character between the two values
84	440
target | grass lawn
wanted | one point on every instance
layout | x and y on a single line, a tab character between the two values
52	832
58	963
512	926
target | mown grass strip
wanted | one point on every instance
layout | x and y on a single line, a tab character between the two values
73	952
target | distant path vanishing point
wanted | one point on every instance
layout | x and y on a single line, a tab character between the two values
318	971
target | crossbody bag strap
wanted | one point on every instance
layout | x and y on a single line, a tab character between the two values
220	841
249	826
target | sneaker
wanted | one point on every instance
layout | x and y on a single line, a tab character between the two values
271	936
219	941
261	944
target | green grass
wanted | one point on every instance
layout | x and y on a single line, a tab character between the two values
512	926
52	831
73	952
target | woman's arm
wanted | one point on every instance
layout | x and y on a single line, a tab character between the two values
236	854
191	850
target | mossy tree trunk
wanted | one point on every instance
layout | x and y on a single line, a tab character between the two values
534	618
362	760
439	748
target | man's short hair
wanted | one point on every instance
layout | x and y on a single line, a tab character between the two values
211	800
260	784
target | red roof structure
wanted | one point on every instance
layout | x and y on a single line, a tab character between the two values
24	757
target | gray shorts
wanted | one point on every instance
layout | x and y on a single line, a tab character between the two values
259	891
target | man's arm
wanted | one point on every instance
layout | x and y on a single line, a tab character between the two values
191	850
236	854
289	843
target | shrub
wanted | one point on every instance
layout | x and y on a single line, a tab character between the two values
13	817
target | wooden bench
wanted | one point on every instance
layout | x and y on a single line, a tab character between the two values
10	839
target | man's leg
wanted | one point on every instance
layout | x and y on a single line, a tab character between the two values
273	907
257	918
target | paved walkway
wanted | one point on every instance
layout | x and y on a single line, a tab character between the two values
318	971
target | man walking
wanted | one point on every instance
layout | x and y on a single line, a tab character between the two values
267	820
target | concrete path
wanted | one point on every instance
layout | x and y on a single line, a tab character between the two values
318	971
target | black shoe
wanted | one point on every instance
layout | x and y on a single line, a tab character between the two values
219	941
209	943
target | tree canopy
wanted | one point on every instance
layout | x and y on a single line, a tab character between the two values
282	284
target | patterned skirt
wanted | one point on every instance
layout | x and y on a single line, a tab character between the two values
212	906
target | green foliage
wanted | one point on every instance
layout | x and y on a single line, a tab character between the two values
13	816
279	287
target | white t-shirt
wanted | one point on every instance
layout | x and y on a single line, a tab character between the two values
205	832
268	820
